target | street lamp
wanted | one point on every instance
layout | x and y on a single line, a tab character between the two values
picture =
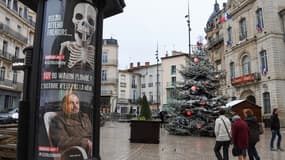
157	87
189	29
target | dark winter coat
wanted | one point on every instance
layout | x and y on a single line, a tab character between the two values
240	134
254	131
70	130
274	122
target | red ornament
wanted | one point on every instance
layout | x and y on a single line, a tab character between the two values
196	60
188	113
199	126
203	103
193	88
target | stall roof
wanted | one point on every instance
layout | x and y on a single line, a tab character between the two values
112	7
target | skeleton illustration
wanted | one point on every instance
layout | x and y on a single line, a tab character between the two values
84	20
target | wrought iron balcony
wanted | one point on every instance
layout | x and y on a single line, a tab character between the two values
5	29
6	55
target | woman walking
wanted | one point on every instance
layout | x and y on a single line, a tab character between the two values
254	133
240	136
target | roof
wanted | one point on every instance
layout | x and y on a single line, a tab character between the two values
111	8
233	103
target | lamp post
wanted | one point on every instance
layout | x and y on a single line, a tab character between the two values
157	76
189	29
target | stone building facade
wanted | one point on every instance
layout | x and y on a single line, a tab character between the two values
17	28
254	53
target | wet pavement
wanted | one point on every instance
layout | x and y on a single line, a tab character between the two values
115	145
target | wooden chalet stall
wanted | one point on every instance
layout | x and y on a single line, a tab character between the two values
237	106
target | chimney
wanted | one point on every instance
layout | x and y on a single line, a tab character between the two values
146	64
131	65
138	64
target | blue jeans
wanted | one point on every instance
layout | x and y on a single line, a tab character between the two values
252	152
274	133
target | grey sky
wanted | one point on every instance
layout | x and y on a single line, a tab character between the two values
146	23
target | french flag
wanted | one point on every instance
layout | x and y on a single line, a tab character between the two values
264	71
225	17
259	28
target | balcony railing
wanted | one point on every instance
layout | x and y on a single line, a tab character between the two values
6	55
106	92
252	77
9	83
12	33
213	42
110	62
109	81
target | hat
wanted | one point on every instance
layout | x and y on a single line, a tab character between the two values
235	117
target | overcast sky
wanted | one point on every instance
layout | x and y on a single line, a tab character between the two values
146	23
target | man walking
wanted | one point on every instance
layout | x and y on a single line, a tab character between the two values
275	130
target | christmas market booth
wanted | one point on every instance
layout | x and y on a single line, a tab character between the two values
237	106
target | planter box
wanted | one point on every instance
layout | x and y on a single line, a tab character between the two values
143	131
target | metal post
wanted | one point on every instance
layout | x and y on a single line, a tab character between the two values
157	75
189	29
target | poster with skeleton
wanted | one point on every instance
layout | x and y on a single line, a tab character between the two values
67	80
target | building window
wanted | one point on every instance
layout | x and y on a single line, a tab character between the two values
123	84
5	47
259	18
104	57
17	52
173	69
150	78
104	75
263	59
266	102
173	80
9	3
15	5
134	96
14	77
150	97
243	32
134	82
122	93
232	70
20	11
2	73
150	84
218	65
25	13
245	65
229	41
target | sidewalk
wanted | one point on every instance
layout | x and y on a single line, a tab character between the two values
115	145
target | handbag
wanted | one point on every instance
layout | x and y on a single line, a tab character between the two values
235	151
227	131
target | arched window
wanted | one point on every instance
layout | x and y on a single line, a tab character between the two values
266	102
251	99
245	65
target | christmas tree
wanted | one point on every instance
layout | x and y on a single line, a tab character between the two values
197	102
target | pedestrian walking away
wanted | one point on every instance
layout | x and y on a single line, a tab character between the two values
275	130
240	136
254	133
223	136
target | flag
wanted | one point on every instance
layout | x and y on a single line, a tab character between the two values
225	18
259	28
264	71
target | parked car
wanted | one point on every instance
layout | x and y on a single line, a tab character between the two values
10	116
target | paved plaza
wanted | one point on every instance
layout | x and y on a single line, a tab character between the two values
115	145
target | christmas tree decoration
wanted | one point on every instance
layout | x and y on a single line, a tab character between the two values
193	88
195	104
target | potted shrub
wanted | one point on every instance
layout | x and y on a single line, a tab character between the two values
144	129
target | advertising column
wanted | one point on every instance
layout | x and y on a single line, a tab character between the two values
67	80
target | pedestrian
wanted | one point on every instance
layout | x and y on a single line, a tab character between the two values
275	130
240	136
254	133
223	135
